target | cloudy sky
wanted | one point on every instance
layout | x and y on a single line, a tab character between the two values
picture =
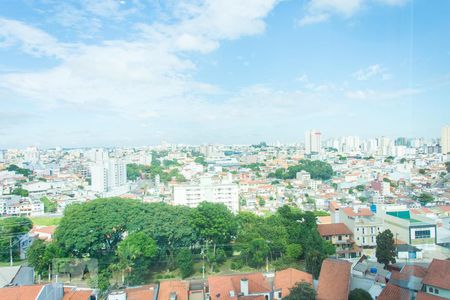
139	72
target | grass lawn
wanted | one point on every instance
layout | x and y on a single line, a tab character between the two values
45	221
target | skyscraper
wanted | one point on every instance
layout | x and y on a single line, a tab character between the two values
445	139
313	141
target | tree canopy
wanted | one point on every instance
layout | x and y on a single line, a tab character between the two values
385	251
318	170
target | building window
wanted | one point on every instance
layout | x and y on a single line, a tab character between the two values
436	291
422	234
430	289
340	237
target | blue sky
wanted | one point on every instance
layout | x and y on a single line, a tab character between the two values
139	72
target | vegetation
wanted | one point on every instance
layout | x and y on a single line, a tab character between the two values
385	251
447	166
301	291
20	192
18	170
50	206
165	173
11	229
425	198
318	170
132	237
359	294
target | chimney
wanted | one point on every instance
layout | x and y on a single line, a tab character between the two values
244	286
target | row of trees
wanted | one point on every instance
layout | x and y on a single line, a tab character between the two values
166	172
133	237
318	170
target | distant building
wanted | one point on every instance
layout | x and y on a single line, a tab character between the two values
445	139
192	194
313	141
108	176
364	225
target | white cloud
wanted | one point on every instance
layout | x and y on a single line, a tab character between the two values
318	11
31	40
382	95
146	77
372	72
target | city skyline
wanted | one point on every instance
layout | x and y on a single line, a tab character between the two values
134	73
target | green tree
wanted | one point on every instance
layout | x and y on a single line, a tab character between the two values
314	261
18	170
11	229
385	251
261	202
360	188
214	223
257	252
294	251
134	171
425	198
40	255
301	291
35	253
135	255
359	294
50	206
185	263
20	192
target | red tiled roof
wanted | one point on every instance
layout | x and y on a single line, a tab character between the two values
76	295
425	296
334	280
393	292
140	293
224	284
25	292
288	278
324	220
438	274
333	229
334	205
363	212
413	270
181	288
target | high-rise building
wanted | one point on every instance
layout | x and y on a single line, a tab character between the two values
108	175
313	141
445	139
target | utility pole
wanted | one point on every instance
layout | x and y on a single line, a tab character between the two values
203	263
10	251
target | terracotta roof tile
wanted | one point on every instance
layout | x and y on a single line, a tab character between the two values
25	292
145	292
438	274
223	285
288	278
393	292
76	295
181	288
334	280
333	229
417	271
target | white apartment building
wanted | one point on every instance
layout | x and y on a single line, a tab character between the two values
313	141
364	225
192	194
108	175
445	139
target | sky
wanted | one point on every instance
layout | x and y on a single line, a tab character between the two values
90	73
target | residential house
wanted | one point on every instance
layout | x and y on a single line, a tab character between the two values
341	237
437	280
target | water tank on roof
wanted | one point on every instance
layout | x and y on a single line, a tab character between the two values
119	295
373	270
